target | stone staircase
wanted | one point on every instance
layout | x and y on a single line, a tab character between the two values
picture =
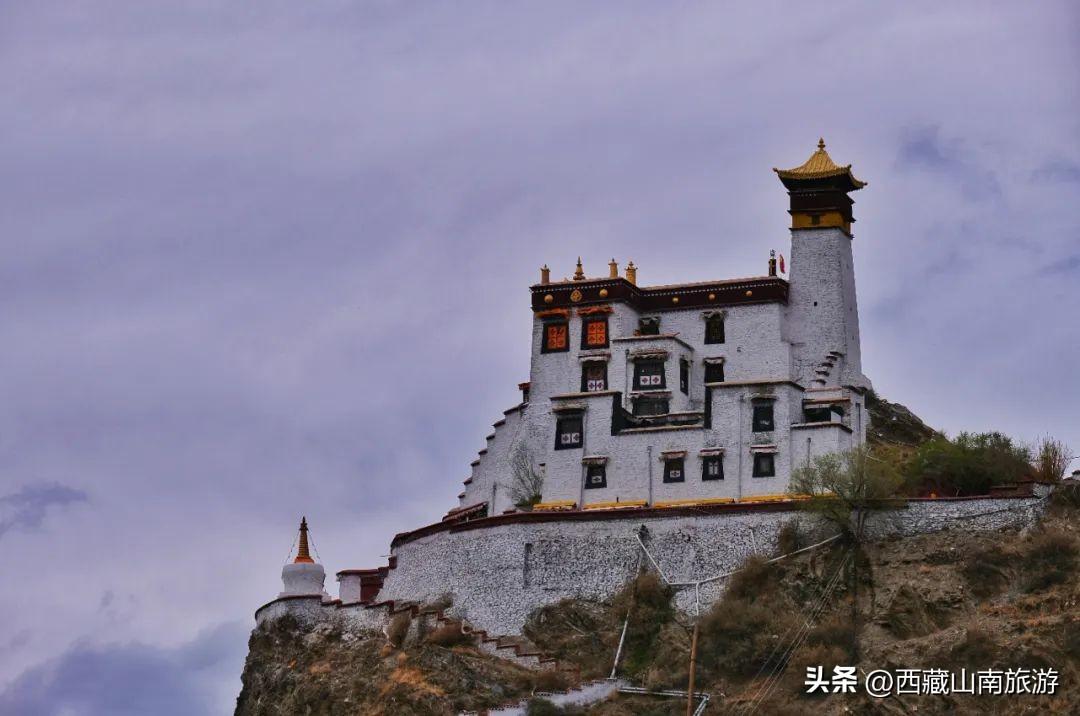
823	370
517	649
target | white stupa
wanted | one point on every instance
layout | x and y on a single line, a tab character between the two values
303	576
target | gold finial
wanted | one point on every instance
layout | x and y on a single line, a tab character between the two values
545	275
631	273
820	166
613	269
302	553
579	273
772	262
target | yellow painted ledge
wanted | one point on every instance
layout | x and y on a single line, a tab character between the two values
773	498
616	505
692	502
555	506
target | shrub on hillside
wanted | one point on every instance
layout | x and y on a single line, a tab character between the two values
398	628
789	539
836	631
909	614
648	602
740	637
1052	458
449	635
755	579
842	486
550	680
1066	496
976	650
542	707
742	630
1049	559
578	632
970	464
985	570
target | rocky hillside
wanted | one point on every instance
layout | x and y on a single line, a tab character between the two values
894	424
947	600
292	671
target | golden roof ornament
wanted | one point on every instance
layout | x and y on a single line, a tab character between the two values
579	273
545	275
631	273
613	269
820	166
302	553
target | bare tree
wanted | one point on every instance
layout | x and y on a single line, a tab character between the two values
844	486
1052	458
527	485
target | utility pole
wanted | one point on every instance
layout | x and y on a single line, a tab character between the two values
693	664
693	651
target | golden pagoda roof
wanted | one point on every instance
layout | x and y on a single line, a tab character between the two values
820	166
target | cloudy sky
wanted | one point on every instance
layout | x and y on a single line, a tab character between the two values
267	259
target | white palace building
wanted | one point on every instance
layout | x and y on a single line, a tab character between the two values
711	392
664	418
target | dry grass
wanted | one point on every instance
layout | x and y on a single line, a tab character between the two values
986	570
789	539
1049	559
398	628
976	650
550	680
450	634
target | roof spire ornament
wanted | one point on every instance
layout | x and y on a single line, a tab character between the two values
545	274
302	553
819	189
579	274
821	166
613	269
631	273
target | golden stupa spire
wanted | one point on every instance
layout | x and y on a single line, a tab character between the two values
579	274
302	553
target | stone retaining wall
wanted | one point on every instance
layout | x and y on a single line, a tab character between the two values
496	575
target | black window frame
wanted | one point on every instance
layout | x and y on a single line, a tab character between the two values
600	468
654	400
761	459
684	376
585	373
649	326
707	460
585	345
711	369
817	414
638	374
670	464
758	421
562	425
545	347
710	334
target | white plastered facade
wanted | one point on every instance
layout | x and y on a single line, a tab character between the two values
795	354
